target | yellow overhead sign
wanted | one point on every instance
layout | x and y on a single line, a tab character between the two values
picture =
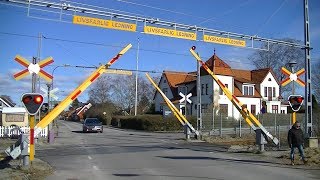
222	40
116	71
89	21
170	33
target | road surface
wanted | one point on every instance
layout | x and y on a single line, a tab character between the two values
124	154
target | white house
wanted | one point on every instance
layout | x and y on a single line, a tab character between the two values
257	89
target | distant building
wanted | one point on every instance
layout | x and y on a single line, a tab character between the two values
257	89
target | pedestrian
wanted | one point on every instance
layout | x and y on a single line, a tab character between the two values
296	140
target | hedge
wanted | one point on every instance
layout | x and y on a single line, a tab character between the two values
149	123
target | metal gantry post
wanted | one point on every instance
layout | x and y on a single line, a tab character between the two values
308	92
199	112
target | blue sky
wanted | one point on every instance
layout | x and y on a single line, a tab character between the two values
269	19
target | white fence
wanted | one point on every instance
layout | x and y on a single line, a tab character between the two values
8	131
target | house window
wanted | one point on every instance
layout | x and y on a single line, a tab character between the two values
253	109
165	91
248	90
220	90
164	80
202	89
274	92
270	92
274	108
206	89
265	92
283	111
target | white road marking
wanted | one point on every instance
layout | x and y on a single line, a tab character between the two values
95	167
89	157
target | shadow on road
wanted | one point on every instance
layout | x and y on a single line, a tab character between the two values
83	132
163	176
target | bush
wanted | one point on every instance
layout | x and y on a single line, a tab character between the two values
149	123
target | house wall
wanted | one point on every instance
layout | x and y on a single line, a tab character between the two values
158	98
206	99
248	102
267	83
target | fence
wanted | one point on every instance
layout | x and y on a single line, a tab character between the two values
272	122
8	131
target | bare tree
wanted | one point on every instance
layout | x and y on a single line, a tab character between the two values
101	90
277	57
123	93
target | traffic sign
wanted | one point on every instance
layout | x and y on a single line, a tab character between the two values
292	77
295	102
185	97
51	92
32	102
33	68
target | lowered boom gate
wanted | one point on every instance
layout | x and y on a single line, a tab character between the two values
235	101
14	151
183	120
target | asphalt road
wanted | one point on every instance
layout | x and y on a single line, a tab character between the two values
121	154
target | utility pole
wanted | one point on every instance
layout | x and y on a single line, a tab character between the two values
137	69
308	93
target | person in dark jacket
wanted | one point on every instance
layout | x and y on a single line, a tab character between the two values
296	140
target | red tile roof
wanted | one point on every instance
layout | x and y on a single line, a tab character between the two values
176	78
219	67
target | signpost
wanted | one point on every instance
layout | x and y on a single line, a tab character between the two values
32	102
292	77
33	68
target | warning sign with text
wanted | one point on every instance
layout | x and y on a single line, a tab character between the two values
170	33
89	21
222	40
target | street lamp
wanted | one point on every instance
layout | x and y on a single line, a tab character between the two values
291	64
64	65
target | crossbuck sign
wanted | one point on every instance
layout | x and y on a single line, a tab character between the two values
185	98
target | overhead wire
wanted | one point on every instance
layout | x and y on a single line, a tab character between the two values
180	13
270	17
110	45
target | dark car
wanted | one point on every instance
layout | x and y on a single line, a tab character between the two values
92	125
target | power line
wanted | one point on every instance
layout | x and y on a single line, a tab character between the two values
114	46
205	19
271	16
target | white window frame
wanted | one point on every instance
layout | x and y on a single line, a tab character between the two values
248	86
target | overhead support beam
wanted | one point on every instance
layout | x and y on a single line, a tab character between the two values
70	8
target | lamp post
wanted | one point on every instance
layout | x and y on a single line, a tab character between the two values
291	64
64	65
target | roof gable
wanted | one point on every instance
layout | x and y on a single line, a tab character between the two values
218	66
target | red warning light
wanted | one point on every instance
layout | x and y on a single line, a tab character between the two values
27	99
38	99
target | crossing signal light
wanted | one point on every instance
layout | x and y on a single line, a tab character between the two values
32	102
295	102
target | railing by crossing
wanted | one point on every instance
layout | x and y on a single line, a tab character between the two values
9	131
